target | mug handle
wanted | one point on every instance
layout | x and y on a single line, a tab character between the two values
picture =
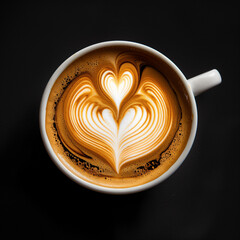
204	81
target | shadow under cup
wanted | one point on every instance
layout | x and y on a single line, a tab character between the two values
167	164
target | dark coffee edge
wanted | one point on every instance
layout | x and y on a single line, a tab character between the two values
66	81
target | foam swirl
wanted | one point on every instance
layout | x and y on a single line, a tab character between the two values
119	117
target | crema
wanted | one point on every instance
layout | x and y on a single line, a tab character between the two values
117	118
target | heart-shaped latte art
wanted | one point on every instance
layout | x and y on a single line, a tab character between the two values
117	88
121	117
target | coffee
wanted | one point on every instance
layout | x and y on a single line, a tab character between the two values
118	117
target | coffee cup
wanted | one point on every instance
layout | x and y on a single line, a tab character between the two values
190	88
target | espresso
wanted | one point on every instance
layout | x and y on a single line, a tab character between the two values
118	117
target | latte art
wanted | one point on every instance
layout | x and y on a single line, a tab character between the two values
99	120
116	118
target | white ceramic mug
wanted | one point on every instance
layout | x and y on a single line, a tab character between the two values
194	86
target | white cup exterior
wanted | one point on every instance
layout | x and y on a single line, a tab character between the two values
189	85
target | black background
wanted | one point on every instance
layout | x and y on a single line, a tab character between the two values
200	201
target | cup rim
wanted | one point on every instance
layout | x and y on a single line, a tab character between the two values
95	187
